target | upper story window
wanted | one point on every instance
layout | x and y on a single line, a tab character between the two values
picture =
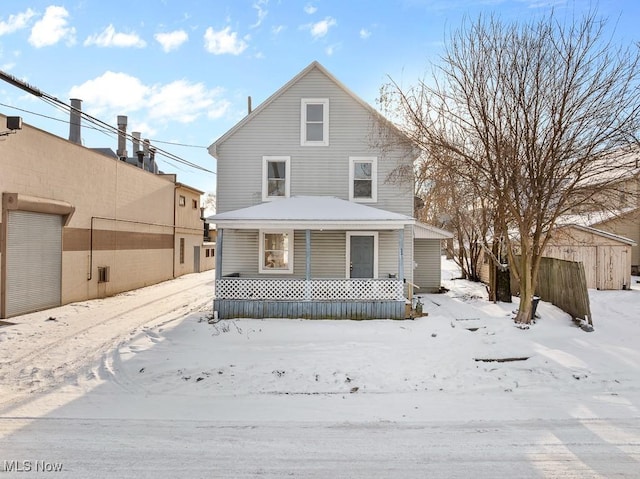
275	177
314	128
363	179
182	200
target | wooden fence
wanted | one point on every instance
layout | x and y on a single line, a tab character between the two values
564	284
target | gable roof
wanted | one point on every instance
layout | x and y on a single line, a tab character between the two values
311	212
313	65
599	232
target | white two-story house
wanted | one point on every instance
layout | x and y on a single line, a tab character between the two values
309	222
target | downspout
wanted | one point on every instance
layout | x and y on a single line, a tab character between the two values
175	204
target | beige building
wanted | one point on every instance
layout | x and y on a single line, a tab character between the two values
79	224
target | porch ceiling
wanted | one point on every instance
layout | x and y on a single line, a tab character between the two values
311	212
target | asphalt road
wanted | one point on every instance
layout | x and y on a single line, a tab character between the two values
95	448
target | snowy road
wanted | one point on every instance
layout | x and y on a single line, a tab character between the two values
167	449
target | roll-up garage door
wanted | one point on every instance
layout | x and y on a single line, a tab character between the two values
34	262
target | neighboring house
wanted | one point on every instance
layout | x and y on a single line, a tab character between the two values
618	211
189	232
606	257
307	223
79	223
625	223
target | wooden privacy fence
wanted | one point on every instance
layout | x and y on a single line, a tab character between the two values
564	284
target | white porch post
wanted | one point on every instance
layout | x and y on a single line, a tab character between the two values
308	265
218	252
401	255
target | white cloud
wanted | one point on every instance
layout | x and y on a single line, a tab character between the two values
364	33
260	6
110	38
310	9
16	22
321	28
183	101
223	41
331	49
171	40
277	29
113	94
52	28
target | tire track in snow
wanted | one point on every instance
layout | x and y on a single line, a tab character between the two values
77	351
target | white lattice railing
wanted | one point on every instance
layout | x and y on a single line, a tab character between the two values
314	289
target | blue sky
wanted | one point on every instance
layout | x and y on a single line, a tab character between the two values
182	70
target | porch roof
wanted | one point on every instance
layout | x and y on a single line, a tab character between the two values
311	212
424	231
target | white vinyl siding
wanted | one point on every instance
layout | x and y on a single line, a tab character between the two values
276	177
314	122
275	130
427	257
34	262
328	254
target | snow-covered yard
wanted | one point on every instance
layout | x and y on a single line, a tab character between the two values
141	385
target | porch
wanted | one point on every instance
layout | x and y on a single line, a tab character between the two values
311	257
353	298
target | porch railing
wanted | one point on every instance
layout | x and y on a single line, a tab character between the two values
293	289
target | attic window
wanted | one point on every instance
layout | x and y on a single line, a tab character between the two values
314	125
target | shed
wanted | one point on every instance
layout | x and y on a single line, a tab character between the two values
606	256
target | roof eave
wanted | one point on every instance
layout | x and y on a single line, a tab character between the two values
359	225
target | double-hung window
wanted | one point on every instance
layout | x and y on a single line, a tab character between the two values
363	178
314	127
276	251
276	174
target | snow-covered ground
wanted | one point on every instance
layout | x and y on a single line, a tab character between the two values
141	385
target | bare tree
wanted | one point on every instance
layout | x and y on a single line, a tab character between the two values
531	117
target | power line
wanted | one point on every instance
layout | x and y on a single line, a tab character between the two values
66	122
99	125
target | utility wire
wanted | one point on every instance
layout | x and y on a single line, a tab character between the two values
98	124
66	122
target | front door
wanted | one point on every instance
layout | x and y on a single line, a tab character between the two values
361	252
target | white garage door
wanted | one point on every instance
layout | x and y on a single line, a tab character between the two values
34	262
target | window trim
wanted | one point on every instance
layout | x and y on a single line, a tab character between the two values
182	200
348	251
261	268
374	178
303	121
265	179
